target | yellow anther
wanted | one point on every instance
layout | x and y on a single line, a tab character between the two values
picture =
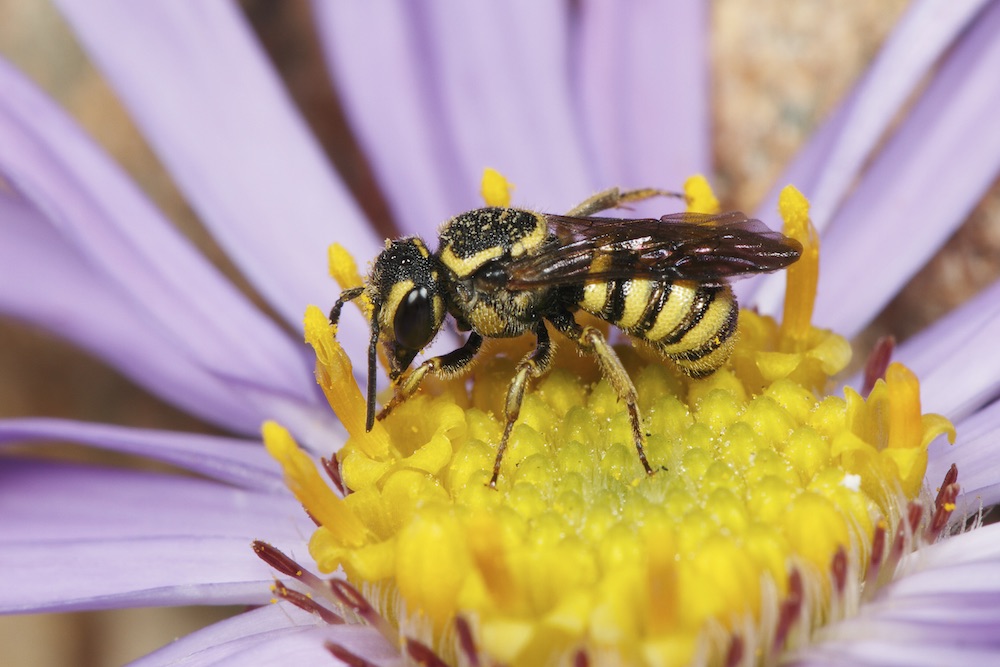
803	276
344	270
699	194
309	488
335	376
495	189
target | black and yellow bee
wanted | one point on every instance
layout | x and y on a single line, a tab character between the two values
502	272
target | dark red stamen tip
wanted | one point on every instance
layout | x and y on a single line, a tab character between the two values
950	478
790	610
466	641
332	468
422	654
311	517
838	569
581	659
878	552
914	515
277	560
944	506
346	657
285	565
877	363
734	656
306	603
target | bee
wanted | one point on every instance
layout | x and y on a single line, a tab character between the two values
502	272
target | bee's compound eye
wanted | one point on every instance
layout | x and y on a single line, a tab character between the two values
413	323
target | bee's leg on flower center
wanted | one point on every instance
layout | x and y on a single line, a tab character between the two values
593	342
532	366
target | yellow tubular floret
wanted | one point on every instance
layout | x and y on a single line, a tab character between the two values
762	482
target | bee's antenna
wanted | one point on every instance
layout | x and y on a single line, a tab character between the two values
372	367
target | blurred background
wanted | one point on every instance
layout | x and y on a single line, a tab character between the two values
778	68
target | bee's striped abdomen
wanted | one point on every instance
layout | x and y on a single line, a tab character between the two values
692	324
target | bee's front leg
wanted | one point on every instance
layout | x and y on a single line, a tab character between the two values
534	365
448	365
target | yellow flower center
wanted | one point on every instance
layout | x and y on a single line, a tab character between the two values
767	499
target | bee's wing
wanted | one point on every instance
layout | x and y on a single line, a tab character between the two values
683	246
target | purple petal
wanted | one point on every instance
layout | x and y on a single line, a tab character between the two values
215	112
57	289
977	455
944	608
240	462
91	538
826	168
277	634
925	179
643	80
953	359
88	257
499	74
378	59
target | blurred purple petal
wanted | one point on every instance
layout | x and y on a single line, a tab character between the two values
273	635
944	608
911	197
956	377
241	462
214	110
923	185
76	228
451	75
976	452
379	62
643	77
500	77
826	169
171	540
57	289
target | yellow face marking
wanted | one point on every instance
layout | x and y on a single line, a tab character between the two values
396	296
419	245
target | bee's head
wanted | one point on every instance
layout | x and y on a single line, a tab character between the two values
404	287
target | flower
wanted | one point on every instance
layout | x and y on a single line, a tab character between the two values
77	229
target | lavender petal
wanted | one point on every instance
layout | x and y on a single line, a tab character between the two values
239	462
643	91
957	374
925	178
171	540
214	110
943	608
74	226
275	634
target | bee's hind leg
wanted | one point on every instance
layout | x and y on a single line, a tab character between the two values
534	365
614	197
593	341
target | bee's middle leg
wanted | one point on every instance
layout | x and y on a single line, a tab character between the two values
534	365
614	197
593	341
447	365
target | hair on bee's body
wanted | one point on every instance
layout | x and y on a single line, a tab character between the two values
502	272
